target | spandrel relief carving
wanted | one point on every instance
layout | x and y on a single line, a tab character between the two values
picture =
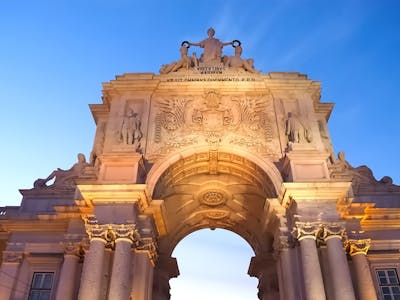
214	119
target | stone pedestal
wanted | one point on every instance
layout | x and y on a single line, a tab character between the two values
90	287
120	277
66	282
365	287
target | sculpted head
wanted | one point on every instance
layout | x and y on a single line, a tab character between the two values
210	32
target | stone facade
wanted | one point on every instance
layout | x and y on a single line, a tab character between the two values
208	143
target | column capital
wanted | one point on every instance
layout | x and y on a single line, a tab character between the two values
14	257
73	249
111	232
304	230
333	230
149	245
355	247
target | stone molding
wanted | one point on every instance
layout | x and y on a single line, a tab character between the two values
12	256
355	247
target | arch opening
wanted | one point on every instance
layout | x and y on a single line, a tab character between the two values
213	265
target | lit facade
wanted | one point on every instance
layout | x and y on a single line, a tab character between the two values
208	143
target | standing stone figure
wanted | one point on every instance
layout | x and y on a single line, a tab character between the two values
130	129
296	131
212	48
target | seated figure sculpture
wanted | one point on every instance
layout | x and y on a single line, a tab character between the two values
64	177
185	62
236	62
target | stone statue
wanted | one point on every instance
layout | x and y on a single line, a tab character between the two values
185	62
212	48
296	131
98	145
236	62
131	129
64	177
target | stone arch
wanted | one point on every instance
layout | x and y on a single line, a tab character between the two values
163	164
228	189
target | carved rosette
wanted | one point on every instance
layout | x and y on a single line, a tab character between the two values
304	230
355	247
212	198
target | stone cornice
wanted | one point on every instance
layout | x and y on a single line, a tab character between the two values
313	191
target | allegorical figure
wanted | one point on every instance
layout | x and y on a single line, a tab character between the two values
236	62
64	177
212	53
184	63
296	131
130	128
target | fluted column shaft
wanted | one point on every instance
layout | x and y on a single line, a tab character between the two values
66	282
90	287
358	251
120	277
313	282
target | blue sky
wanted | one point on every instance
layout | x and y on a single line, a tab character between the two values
55	54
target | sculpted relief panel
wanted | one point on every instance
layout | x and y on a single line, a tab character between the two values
213	119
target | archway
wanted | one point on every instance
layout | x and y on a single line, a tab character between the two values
214	190
213	265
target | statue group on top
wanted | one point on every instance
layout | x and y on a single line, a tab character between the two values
211	56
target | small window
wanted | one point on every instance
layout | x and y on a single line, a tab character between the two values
389	283
41	286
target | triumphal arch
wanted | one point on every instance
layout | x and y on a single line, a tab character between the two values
210	142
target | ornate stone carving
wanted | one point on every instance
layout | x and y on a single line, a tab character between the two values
355	247
64	178
362	177
304	230
111	232
214	120
150	246
334	229
212	198
297	130
217	214
211	60
73	248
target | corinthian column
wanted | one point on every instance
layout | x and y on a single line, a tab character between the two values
120	283
338	266
307	233
358	251
90	287
145	257
288	288
66	283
